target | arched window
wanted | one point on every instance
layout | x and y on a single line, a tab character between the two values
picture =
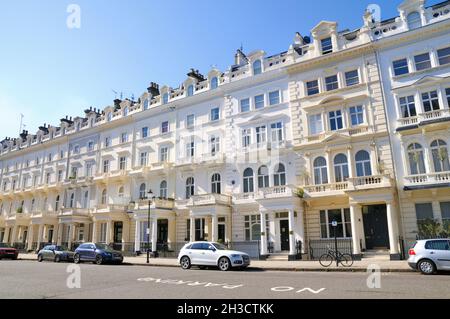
190	90
248	181
257	67
72	200
340	168
215	184
279	175
142	191
414	20
146	104
363	168
121	192
163	189
214	83
57	203
190	187
263	177
416	159
86	199
165	98
440	156
125	111
103	199
320	171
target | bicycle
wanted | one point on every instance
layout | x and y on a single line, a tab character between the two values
327	259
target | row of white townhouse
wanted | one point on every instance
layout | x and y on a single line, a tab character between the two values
348	126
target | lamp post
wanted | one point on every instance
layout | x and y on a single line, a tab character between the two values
150	198
334	224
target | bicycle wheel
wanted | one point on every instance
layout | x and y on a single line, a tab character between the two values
346	260
326	260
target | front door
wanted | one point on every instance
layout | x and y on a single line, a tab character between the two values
284	234
50	235
118	229
162	231
375	226
221	233
199	229
25	235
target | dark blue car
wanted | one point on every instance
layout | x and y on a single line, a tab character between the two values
97	253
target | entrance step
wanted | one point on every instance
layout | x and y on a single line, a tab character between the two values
278	257
376	254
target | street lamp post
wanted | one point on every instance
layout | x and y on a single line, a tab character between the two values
334	224
150	198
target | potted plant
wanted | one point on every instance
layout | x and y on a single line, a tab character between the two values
299	192
19	210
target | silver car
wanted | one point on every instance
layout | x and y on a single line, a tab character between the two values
430	255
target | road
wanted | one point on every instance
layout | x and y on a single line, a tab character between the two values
31	279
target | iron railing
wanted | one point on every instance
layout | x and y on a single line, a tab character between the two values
318	247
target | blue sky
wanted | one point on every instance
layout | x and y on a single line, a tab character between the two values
48	71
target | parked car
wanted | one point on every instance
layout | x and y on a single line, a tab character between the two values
7	251
97	253
211	254
55	253
430	255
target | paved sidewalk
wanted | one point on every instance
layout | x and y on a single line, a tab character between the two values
358	266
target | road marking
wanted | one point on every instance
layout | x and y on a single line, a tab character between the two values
204	284
288	288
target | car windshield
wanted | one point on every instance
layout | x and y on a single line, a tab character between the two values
4	245
61	248
103	247
220	246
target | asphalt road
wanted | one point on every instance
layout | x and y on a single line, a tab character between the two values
31	279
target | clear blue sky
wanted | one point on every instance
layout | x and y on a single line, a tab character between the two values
48	70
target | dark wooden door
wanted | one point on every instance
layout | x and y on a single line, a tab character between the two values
284	234
375	226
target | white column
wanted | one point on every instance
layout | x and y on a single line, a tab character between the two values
40	235
30	237
263	233
154	234
125	234
44	234
192	230
392	228
59	235
137	236
214	228
108	232
291	233
94	231
14	234
330	168
354	212
5	237
301	228
351	163
71	234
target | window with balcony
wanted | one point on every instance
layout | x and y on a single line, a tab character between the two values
60	175
122	163
407	106
245	105
163	189
331	83
214	145
104	197
142	191
107	142
422	61
190	187
144	132
335	118
416	159
439	152
248	180
215	184
190	90
190	147
400	67
276	130
246	137
357	115
257	67
279	175
340	168
263	177
274	98
414	20
363	166
143	159
342	217
315	124
352	78
326	45
312	87
90	146
261	135
190	121
444	56
430	101
74	172
214	83
124	137
259	101
164	154
89	169
76	149
215	114
320	171
105	166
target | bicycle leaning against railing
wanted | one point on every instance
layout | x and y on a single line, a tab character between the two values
327	259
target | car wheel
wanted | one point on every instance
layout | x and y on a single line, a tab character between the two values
185	262
426	267
224	264
98	259
40	258
76	259
57	258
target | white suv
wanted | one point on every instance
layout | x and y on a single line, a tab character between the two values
211	254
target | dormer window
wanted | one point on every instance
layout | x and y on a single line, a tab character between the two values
165	98
125	111
257	69
414	20
214	83
327	45
109	116
146	104
190	90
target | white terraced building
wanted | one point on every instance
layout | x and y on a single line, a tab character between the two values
263	156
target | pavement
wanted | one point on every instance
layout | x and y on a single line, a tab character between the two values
358	266
48	280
